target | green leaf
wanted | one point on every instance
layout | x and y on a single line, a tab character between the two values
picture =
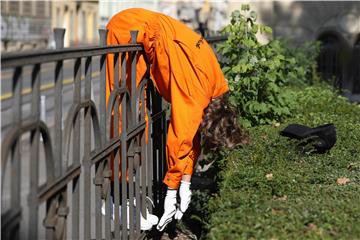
236	69
253	15
245	7
267	29
226	69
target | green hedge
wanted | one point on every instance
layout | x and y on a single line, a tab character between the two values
271	190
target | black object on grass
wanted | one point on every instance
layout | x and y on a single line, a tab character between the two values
322	137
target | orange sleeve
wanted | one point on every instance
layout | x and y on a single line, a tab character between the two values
221	85
183	147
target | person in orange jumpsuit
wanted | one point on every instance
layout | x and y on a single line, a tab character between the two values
185	72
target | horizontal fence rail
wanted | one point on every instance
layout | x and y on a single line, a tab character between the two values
64	164
43	56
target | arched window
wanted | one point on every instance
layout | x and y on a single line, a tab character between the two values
356	67
329	64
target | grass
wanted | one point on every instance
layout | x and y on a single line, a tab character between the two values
272	190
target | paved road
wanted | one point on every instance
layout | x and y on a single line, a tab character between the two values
47	90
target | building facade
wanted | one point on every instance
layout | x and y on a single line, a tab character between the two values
79	18
25	25
29	24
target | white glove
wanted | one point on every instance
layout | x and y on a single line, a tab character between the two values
185	197
169	209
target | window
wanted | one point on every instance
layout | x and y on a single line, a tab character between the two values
27	8
40	8
14	8
3	7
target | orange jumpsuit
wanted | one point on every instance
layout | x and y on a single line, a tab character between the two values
185	72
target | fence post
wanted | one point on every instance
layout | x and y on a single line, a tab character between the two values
134	104
103	133
59	34
59	43
103	35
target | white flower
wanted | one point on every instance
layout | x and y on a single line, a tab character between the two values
253	60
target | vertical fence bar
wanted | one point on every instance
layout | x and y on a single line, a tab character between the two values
155	154
131	189
124	117
15	163
34	157
133	79
162	149
99	180
149	151
116	154
102	36
77	100
159	174
59	41
76	152
116	192
132	144
102	110
137	187
143	160
87	150
143	175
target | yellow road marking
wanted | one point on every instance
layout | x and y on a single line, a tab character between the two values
44	87
7	74
46	67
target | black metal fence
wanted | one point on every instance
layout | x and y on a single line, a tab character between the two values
65	161
78	155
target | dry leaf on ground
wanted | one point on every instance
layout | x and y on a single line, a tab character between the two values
283	198
269	176
342	181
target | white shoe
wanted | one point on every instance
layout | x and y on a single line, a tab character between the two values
145	224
